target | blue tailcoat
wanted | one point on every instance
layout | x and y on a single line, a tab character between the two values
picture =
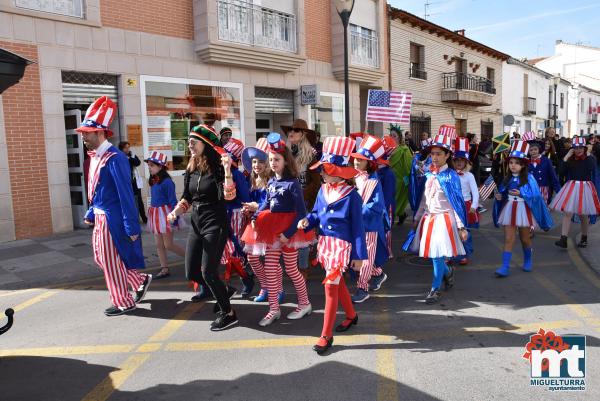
376	219
114	195
387	179
544	174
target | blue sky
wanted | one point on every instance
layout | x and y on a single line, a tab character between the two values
520	28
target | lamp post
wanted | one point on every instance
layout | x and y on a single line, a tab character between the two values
344	9
555	81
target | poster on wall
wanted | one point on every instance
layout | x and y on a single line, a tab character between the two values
159	133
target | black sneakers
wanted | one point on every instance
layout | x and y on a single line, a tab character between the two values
562	242
118	310
141	292
582	242
223	321
433	296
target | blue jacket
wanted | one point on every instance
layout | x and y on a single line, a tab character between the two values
388	185
114	195
285	196
376	219
258	195
341	219
544	174
242	191
530	192
163	193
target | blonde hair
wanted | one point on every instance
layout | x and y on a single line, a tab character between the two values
260	181
305	153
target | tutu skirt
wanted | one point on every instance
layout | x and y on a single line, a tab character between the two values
577	197
437	237
269	226
516	213
157	220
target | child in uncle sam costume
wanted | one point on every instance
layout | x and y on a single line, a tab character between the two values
338	215
541	167
256	162
233	256
441	219
273	232
116	239
519	205
470	192
578	197
163	200
375	217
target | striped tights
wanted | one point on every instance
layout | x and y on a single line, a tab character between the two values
259	269
274	277
368	267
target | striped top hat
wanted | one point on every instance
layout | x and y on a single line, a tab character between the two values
390	145
519	149
461	148
425	143
442	141
276	144
336	156
532	140
99	116
234	147
371	148
157	158
258	151
579	142
207	135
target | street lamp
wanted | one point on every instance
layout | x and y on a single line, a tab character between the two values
555	81
344	9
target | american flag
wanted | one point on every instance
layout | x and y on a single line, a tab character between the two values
449	130
487	188
528	136
389	107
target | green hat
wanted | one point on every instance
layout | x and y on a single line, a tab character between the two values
208	136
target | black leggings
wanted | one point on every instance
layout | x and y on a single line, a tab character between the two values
202	258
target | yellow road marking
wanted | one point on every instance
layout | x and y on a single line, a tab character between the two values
528	327
175	324
116	378
387	374
149	347
64	351
35	300
17	292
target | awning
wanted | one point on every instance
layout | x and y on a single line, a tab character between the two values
12	68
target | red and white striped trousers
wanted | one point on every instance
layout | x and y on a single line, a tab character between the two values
117	276
334	256
368	266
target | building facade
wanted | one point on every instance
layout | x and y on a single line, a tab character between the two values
454	80
529	99
169	66
583	110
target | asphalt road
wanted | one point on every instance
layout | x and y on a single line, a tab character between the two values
468	347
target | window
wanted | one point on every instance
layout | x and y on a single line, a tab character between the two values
491	75
171	107
562	100
364	46
418	125
71	8
328	116
417	61
582	106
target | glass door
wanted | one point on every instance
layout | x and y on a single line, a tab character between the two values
76	161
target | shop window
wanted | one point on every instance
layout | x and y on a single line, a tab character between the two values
172	107
328	116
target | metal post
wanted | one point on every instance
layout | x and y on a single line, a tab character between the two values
346	83
554	111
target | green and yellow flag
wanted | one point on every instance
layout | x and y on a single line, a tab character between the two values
501	143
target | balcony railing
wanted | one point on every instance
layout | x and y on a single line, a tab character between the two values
592	118
464	81
365	49
417	71
246	23
71	8
530	105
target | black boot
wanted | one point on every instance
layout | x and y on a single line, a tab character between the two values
582	242
562	242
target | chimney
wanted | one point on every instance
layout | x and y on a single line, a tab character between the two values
461	32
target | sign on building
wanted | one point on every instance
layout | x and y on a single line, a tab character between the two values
309	95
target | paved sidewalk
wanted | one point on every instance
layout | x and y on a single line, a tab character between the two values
62	258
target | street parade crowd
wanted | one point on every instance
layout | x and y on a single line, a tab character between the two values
298	203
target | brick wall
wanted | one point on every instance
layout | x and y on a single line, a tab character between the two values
26	149
168	18
317	22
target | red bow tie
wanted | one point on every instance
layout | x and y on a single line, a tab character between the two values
582	157
460	173
434	169
535	162
91	153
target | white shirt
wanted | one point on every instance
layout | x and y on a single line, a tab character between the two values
434	200
96	159
469	188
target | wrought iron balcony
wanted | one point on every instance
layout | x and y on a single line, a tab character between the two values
250	24
364	49
417	71
529	105
592	118
469	89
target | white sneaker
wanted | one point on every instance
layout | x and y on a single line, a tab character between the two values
269	318
300	312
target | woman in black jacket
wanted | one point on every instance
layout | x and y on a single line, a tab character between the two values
207	184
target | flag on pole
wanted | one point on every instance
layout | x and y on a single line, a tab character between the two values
501	143
487	188
389	107
529	136
449	130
